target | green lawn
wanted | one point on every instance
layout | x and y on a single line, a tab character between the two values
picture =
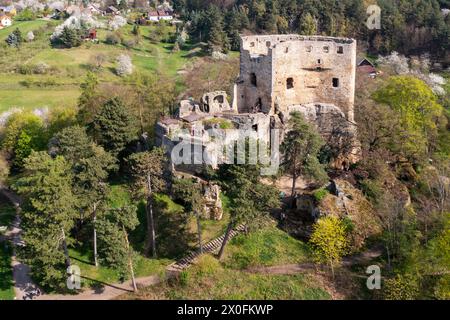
96	276
30	99
24	27
6	279
267	247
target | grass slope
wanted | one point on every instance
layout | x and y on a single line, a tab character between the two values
208	279
211	279
69	66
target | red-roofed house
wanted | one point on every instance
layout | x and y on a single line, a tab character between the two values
153	16
367	67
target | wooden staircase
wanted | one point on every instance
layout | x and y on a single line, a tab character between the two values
208	247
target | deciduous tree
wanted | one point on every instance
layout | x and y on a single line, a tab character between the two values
329	241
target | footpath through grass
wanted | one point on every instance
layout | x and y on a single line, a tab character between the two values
211	279
208	279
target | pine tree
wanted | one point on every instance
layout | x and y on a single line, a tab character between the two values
90	166
308	25
148	171
115	249
216	37
48	216
113	126
300	150
190	195
70	37
87	103
251	200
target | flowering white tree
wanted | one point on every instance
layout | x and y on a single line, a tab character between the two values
77	21
398	62
56	5
124	65
416	67
117	22
30	36
34	5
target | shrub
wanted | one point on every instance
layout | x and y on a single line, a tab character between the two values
41	68
320	194
30	36
112	38
24	69
401	287
26	14
129	43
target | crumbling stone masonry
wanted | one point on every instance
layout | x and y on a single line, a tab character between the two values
280	74
278	71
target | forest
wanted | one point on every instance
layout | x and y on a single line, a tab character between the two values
409	27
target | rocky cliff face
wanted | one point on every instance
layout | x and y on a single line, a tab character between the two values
343	201
347	202
338	132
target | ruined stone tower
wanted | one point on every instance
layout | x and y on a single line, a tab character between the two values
279	75
279	71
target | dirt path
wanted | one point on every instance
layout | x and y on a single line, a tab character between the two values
362	258
106	292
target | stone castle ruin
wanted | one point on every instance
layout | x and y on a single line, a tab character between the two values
280	74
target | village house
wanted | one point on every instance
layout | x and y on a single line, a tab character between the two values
94	9
366	66
8	10
112	10
160	15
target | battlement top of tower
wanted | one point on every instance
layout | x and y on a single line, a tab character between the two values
261	44
278	38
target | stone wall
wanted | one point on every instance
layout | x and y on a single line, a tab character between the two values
294	69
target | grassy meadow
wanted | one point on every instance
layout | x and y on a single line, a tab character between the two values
68	67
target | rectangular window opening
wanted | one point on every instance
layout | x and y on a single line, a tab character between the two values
253	79
335	82
289	83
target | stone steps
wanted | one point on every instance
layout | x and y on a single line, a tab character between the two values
208	247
